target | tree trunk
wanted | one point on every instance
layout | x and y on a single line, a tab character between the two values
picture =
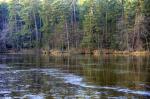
68	43
36	29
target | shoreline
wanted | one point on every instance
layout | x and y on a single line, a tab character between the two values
96	52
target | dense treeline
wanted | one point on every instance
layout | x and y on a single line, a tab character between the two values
66	24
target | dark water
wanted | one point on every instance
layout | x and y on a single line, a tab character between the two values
74	77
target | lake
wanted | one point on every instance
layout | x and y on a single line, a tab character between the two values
74	77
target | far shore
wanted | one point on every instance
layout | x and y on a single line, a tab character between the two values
96	52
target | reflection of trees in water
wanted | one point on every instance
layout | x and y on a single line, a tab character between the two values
101	71
147	68
131	72
110	70
136	76
128	71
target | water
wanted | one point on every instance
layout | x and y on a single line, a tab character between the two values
74	77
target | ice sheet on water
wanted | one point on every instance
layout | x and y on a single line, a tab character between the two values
78	80
5	92
4	66
30	96
6	98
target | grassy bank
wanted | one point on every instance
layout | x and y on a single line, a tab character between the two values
96	52
125	53
77	51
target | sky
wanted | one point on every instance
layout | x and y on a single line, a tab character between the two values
81	1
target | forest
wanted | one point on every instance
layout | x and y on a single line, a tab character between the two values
122	25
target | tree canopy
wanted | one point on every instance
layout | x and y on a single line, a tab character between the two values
65	24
